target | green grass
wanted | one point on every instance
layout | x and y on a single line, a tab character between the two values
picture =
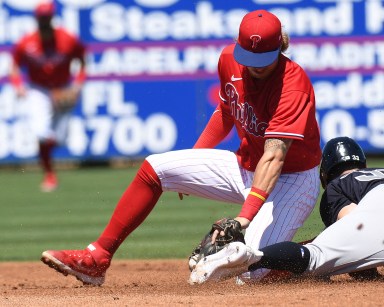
76	214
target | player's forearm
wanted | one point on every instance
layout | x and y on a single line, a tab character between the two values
266	175
81	75
268	171
346	210
271	163
15	76
215	131
16	80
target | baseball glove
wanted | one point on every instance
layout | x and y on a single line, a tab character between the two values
232	233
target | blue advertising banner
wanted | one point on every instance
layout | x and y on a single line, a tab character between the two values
151	71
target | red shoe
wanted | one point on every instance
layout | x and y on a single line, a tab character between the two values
78	263
49	183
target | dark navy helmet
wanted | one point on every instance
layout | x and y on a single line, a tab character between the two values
340	154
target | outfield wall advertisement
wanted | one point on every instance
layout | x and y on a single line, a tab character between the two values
151	66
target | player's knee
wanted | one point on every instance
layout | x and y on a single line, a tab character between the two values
147	174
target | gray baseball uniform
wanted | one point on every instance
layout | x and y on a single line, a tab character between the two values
356	241
353	243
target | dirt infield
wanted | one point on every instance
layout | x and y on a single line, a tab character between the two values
164	283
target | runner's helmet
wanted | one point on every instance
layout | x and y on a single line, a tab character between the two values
340	154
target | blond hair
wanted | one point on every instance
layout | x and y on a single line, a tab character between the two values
285	41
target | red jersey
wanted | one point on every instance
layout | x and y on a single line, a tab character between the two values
48	64
280	106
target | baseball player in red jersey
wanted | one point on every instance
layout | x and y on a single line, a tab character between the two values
46	56
273	174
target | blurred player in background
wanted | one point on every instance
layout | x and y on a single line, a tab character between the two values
46	56
270	101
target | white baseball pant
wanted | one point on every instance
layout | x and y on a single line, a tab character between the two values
44	122
216	174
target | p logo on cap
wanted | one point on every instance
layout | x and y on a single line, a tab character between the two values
259	41
255	39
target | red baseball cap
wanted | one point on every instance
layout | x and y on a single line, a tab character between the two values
45	9
259	41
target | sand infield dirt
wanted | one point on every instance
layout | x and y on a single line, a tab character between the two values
164	283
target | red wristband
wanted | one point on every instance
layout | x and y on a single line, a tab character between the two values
16	81
253	203
80	77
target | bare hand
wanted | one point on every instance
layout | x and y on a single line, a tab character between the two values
215	234
21	92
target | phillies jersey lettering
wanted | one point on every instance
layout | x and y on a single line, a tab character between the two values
251	123
347	189
243	113
280	106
